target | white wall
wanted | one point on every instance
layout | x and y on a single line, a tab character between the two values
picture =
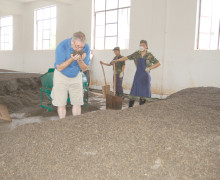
168	25
183	66
34	60
68	22
23	57
13	60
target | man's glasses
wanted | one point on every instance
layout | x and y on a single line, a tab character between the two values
78	46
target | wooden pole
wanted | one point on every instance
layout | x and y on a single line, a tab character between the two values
114	81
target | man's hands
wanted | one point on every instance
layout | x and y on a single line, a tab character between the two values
101	62
76	57
79	58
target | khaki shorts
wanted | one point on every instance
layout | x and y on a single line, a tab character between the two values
62	85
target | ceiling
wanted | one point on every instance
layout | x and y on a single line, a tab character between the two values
55	1
23	1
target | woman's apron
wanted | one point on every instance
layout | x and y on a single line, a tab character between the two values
141	84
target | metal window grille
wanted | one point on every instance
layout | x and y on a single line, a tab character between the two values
45	28
208	37
109	34
6	33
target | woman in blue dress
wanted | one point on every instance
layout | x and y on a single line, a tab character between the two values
144	61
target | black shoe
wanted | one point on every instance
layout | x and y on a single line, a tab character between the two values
142	101
131	103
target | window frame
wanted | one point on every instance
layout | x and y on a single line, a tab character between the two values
198	30
36	31
10	41
105	24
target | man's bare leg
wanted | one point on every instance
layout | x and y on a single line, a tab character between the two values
61	111
76	110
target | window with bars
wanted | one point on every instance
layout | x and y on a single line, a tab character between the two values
6	33
209	25
111	24
45	28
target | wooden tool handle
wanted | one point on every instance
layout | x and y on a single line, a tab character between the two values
114	80
90	81
104	74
